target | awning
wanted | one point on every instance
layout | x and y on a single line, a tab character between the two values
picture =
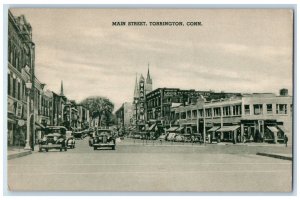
152	127
172	128
39	125
273	129
180	129
213	129
190	123
228	128
282	128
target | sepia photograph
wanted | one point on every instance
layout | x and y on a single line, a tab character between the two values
149	100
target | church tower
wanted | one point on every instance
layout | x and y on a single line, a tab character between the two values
148	83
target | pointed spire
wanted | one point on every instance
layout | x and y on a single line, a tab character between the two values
142	78
61	89
148	74
136	89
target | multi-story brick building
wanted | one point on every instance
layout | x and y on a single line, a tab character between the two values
20	71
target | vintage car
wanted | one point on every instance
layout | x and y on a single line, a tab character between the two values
104	138
70	141
54	138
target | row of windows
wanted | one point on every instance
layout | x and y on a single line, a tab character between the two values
17	56
235	110
16	88
258	109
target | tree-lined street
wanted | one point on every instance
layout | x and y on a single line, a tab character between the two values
138	167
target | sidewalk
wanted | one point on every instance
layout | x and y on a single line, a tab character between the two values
279	156
16	152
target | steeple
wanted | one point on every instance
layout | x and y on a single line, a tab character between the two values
142	78
136	89
148	80
61	89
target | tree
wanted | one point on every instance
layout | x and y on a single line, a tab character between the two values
99	107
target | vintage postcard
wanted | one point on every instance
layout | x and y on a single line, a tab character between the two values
150	100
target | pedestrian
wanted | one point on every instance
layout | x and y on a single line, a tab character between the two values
286	139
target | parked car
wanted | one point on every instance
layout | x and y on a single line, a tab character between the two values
163	136
54	138
171	136
104	138
179	138
70	141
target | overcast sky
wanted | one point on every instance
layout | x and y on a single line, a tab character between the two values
233	51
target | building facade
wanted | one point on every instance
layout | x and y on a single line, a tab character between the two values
20	72
124	116
250	117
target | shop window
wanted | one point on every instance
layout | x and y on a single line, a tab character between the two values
247	109
269	109
257	109
281	109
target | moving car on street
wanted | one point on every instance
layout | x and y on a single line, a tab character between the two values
104	138
54	138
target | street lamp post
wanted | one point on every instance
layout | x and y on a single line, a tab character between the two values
28	87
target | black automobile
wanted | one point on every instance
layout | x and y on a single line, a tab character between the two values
54	138
104	138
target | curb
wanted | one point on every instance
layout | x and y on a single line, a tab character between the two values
275	156
17	155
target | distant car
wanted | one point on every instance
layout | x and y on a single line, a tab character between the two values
104	138
54	138
70	141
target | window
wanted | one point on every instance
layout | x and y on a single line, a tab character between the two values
247	109
14	88
269	109
188	114
217	112
176	116
281	109
19	91
226	111
194	113
200	112
257	109
236	110
8	84
208	112
183	115
291	107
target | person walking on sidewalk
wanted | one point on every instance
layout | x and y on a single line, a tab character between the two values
286	139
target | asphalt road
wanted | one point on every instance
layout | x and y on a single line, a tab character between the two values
153	167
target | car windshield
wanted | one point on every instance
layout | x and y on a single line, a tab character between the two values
104	132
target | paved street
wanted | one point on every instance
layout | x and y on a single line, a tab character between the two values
135	166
